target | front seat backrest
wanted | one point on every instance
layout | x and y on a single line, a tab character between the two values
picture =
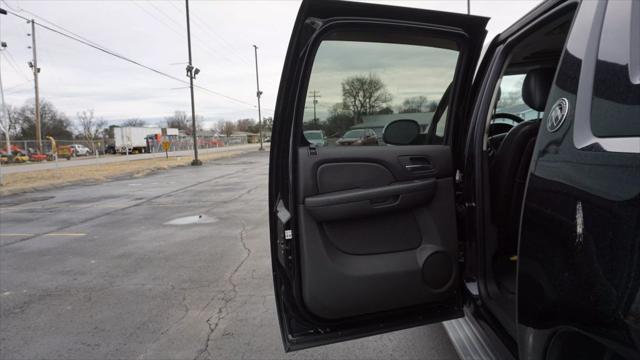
536	86
511	162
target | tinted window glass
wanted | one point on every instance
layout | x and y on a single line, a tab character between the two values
356	88
615	109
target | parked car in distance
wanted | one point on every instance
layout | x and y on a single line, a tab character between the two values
358	137
80	150
316	137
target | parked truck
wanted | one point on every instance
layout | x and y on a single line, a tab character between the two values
133	139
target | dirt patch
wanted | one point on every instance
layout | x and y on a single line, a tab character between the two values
45	179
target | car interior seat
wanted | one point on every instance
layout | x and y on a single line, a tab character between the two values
510	165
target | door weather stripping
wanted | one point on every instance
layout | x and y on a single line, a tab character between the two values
472	342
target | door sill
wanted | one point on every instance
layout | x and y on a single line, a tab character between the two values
472	341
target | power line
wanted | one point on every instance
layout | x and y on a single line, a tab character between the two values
58	26
158	19
10	88
122	57
203	25
202	42
13	63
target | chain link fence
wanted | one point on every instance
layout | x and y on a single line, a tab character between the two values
103	146
27	150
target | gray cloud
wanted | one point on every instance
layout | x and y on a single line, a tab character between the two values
75	77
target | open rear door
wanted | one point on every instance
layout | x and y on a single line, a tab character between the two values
363	233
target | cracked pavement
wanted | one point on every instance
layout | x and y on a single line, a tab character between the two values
93	272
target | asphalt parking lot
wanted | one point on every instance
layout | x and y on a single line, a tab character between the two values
119	270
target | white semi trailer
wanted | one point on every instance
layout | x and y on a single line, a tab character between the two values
133	139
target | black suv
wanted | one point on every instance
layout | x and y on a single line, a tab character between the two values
510	207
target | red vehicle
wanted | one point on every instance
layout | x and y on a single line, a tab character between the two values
38	157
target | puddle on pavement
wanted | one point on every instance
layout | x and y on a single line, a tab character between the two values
190	220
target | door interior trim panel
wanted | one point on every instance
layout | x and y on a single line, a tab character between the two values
375	234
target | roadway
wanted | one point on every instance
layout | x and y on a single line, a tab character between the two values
113	270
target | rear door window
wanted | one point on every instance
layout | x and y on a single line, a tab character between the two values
356	88
615	107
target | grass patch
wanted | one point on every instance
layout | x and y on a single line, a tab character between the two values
45	179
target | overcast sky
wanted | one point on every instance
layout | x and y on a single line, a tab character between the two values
75	77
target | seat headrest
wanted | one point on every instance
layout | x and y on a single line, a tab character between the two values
536	86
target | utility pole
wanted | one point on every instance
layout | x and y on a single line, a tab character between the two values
191	73
5	113
36	70
468	7
4	125
315	95
258	94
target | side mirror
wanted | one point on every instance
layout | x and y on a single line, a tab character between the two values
401	132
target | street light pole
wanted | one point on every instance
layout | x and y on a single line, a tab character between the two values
258	94
191	73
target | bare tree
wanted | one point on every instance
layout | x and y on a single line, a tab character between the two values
415	104
219	127
12	121
245	125
267	123
89	127
178	121
134	122
228	128
199	123
364	95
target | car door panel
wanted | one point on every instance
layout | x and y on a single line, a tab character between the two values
364	238
375	238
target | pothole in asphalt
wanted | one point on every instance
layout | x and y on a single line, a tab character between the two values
189	220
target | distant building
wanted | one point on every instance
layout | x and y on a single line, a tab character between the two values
378	122
246	137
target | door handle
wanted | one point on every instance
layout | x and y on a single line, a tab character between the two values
418	167
416	163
